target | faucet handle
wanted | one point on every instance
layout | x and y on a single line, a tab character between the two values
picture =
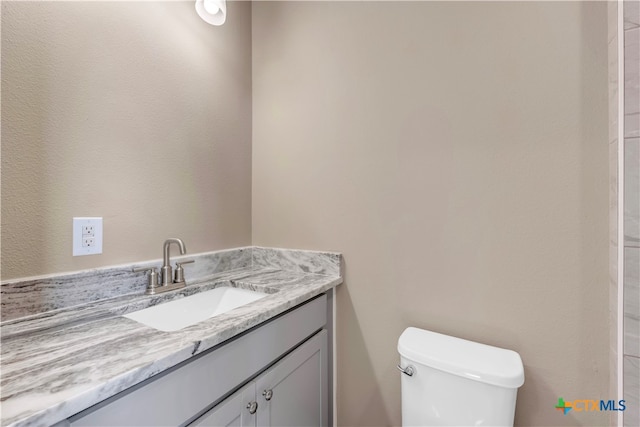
179	273
153	276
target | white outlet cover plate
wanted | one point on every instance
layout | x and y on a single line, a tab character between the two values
78	223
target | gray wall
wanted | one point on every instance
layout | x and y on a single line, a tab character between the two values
456	153
138	112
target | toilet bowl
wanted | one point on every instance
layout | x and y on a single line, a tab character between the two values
449	381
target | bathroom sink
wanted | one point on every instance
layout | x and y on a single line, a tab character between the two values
187	311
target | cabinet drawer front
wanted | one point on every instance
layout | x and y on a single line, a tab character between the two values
177	396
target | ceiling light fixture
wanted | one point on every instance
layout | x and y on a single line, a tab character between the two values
213	12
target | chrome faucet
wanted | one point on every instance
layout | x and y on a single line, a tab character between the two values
167	282
167	277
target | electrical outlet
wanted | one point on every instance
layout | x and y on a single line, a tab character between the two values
88	230
87	236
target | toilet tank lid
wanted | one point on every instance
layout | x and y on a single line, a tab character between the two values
468	359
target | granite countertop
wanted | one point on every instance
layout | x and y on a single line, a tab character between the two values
57	363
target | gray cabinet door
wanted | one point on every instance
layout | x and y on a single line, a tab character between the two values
231	412
294	391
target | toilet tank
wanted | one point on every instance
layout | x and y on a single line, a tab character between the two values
456	382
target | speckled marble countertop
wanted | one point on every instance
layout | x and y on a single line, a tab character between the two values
57	363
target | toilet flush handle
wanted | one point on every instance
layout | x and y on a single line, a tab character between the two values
409	370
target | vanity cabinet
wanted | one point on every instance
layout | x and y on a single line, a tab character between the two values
293	392
286	355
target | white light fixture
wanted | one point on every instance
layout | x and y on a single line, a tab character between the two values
213	12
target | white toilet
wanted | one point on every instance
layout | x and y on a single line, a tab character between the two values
449	381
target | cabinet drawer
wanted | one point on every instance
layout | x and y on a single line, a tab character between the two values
176	396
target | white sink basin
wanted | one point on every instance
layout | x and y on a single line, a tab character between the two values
187	311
